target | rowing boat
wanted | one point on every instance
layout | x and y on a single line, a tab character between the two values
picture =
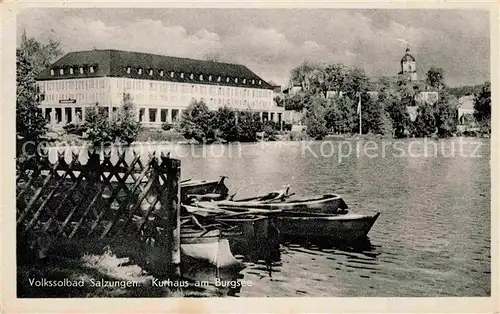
338	228
328	203
205	255
192	188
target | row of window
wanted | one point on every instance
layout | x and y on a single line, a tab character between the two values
192	76
137	85
86	84
74	70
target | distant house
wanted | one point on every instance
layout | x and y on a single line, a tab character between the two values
292	90
465	108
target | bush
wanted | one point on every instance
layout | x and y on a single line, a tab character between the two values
248	125
198	123
75	129
287	126
166	126
123	127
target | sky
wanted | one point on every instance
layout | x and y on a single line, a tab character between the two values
271	42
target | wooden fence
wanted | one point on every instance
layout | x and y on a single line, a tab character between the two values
101	200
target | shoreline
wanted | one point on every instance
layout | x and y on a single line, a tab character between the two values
79	143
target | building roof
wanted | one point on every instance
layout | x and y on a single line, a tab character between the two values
407	57
466	102
118	63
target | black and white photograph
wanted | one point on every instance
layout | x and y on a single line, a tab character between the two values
166	152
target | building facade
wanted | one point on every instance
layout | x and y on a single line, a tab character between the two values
160	87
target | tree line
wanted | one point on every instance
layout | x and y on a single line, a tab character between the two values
384	112
207	126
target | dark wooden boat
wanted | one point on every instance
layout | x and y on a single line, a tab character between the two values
248	235
205	255
215	189
338	228
328	203
247	232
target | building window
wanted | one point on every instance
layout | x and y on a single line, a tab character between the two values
91	69
70	70
150	72
81	70
182	75
52	72
161	73
175	115
253	82
210	77
260	82
244	81
172	74
191	76
61	71
201	77
139	71
227	79
218	79
163	115
236	80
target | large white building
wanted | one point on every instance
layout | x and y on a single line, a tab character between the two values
160	86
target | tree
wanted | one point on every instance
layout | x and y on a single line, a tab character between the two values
99	129
316	126
124	125
482	107
297	102
225	123
372	115
315	118
425	123
300	75
248	125
30	122
197	122
435	78
355	82
400	118
341	116
445	112
39	55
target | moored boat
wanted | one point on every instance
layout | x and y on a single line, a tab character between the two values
328	203
248	235
216	188
337	228
205	256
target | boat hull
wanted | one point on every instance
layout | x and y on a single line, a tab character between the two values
323	204
249	236
205	257
336	228
202	187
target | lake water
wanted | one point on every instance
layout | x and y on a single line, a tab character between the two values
433	235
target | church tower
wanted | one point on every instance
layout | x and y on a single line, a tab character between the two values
409	66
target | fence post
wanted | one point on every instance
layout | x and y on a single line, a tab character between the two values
171	208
